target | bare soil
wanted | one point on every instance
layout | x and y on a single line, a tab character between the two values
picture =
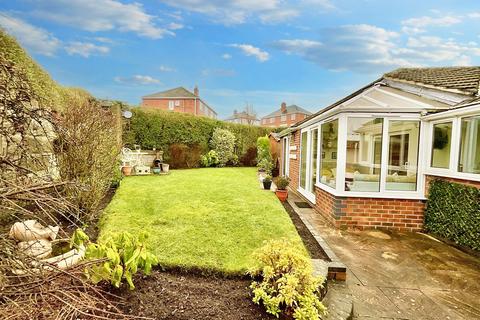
175	296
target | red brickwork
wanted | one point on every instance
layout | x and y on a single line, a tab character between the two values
277	121
370	213
294	163
186	105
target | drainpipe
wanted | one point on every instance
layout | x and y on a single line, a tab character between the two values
195	106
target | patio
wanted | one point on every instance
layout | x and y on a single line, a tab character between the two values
395	275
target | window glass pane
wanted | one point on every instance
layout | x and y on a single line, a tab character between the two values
328	163
313	161
470	145
364	154
442	135
303	156
402	155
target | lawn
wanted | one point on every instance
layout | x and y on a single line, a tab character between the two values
209	219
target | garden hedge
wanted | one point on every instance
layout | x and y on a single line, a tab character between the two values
453	212
178	133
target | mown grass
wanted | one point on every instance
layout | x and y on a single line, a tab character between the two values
205	219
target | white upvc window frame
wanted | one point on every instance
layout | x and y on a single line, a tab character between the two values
339	189
452	170
286	156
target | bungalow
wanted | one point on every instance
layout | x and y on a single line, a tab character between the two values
366	160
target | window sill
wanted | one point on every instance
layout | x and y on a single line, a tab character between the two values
413	195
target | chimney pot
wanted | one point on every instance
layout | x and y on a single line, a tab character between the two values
195	91
283	107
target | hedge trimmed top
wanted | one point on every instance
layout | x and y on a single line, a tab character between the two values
160	129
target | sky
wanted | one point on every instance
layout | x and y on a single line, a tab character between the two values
241	52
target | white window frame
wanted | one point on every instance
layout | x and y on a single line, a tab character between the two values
177	103
452	171
286	155
292	116
283	118
339	189
171	105
271	120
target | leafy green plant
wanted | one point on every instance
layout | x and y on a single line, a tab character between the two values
268	178
453	212
264	157
124	255
160	129
223	142
210	159
282	183
286	282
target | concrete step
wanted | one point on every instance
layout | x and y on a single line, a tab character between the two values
339	301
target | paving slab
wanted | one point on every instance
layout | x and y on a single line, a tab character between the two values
395	275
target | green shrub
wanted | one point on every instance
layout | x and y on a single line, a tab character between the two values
264	157
160	129
287	284
210	159
453	212
125	254
223	142
184	156
282	183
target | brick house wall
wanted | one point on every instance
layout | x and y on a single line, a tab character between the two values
370	213
186	105
277	121
294	168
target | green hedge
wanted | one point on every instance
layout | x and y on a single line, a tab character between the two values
453	212
168	130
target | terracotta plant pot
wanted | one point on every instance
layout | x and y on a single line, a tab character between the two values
282	195
127	170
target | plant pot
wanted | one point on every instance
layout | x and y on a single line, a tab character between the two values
156	170
127	170
282	195
267	184
165	167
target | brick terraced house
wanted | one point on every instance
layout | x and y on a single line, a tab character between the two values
366	160
179	100
285	116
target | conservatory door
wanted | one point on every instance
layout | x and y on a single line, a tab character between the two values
308	163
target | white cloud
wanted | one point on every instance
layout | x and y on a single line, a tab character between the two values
419	25
370	49
164	68
33	38
226	56
474	15
239	11
85	49
101	15
250	50
137	80
175	26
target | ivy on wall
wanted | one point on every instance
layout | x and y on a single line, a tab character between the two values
453	212
163	130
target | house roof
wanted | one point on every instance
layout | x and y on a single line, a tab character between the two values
465	80
179	92
290	109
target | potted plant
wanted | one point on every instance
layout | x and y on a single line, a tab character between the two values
267	182
282	184
127	169
156	170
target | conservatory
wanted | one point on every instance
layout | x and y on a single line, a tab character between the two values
382	142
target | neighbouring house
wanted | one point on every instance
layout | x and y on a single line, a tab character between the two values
285	116
179	100
366	160
243	117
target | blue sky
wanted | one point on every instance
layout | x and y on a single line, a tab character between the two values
260	52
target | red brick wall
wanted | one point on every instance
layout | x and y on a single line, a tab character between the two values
277	121
186	105
294	163
370	213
